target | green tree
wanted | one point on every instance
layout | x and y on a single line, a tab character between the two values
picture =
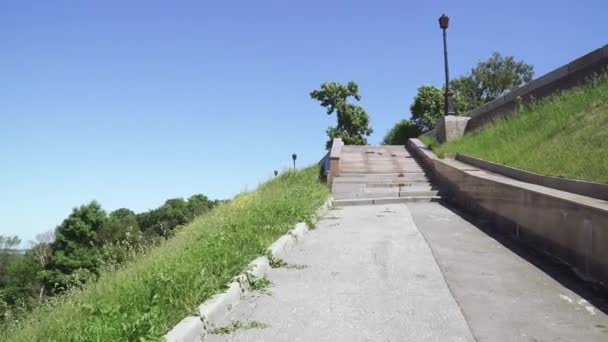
23	285
41	252
162	221
491	79
7	255
199	204
18	279
400	133
8	242
121	225
428	107
120	238
467	90
352	120
76	248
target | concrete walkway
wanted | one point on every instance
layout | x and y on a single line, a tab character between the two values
368	274
508	296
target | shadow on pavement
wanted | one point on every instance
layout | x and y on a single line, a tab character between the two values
594	293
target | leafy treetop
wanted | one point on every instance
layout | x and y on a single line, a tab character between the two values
492	79
400	133
353	121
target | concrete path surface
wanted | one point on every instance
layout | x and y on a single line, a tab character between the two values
365	274
509	296
415	272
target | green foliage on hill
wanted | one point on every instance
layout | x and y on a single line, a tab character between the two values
399	133
87	241
151	293
565	135
76	248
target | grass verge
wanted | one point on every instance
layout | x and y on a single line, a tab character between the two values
142	301
564	135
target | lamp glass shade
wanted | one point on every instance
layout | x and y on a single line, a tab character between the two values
444	21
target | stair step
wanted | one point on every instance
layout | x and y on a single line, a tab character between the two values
363	188
383	174
384	194
384	200
375	171
393	162
389	190
380	174
401	180
338	186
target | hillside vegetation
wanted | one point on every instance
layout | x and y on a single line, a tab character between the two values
87	241
564	135
145	298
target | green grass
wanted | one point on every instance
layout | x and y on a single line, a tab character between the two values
430	142
150	295
565	135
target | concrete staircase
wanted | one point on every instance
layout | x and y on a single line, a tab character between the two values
379	175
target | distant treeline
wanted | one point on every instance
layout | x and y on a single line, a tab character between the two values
86	242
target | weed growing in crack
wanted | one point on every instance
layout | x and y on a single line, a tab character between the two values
275	262
238	325
296	266
260	284
280	263
311	223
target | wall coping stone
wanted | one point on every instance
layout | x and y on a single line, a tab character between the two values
336	148
422	150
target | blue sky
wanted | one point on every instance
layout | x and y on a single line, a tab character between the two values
134	102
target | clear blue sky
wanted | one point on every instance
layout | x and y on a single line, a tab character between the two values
134	102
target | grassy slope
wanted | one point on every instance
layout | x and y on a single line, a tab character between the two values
149	296
564	136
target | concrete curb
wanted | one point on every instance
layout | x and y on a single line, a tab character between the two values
211	312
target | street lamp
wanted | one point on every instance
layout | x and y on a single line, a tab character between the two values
448	108
294	157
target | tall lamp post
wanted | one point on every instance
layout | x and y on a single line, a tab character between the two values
444	21
294	157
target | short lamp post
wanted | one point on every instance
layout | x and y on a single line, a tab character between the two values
444	21
294	157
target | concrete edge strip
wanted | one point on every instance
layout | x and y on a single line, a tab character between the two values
410	217
195	328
